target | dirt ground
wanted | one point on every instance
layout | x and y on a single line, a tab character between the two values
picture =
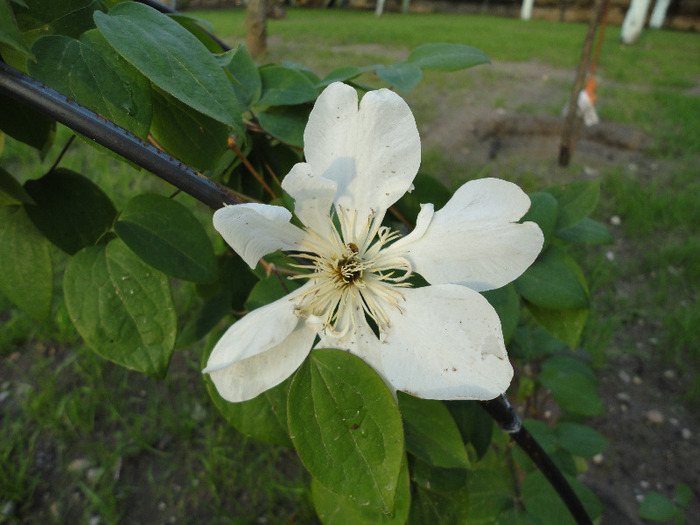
653	435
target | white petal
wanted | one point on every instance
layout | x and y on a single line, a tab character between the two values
313	196
259	351
447	344
254	230
473	240
373	153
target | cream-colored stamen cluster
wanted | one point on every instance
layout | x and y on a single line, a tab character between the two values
353	275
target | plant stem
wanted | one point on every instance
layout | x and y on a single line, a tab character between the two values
502	412
42	98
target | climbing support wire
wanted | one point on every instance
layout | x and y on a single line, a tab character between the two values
502	412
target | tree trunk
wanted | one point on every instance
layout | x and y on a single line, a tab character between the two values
379	8
634	21
526	9
256	27
658	15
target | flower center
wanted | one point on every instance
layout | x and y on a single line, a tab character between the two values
352	281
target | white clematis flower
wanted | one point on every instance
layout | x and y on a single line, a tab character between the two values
442	341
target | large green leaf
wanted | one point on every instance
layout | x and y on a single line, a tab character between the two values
67	17
506	302
490	489
26	274
9	32
474	423
587	230
166	235
334	509
345	73
26	125
447	57
11	191
286	124
580	440
403	75
544	211
86	73
576	201
187	134
346	427
657	507
431	433
71	210
566	325
554	281
542	501
245	74
121	307
263	417
282	86
172	58
573	385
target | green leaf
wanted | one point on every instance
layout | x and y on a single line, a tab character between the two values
187	134
67	17
26	273
11	191
576	201
437	479
554	281
544	211
403	75
588	230
263	417
347	428
107	86
474	423
345	73
172	58
566	325
71	210
431	433
270	289
286	124
9	32
439	508
446	57
573	385
166	235
580	440
245	74
542	501
490	490
282	86
334	509
26	125
657	507
543	434
121	307
196	27
506	302
203	318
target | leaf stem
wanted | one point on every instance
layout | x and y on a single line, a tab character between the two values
80	119
502	412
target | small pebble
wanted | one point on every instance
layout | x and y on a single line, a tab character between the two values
670	374
686	433
637	380
654	416
644	484
624	397
161	506
624	376
598	459
610	255
615	220
78	465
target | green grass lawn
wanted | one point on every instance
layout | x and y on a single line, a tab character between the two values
82	438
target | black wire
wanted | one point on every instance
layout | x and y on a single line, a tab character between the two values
502	412
42	98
